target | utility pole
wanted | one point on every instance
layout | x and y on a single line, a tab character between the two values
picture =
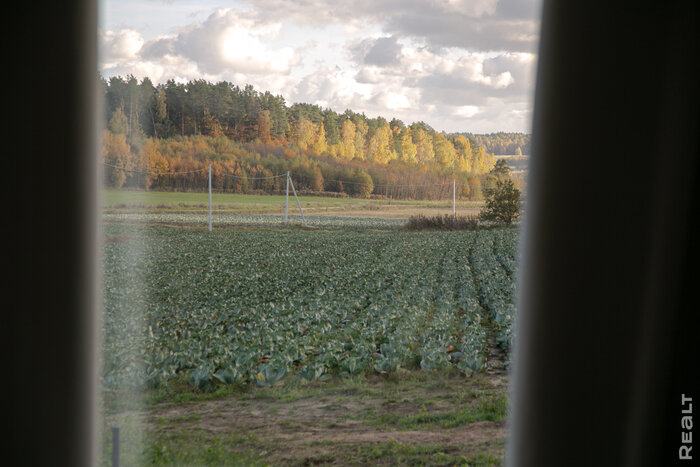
289	180
454	197
286	200
209	197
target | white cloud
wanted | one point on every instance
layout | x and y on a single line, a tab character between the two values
119	46
228	41
499	81
471	8
451	89
466	111
369	75
459	65
394	101
336	88
242	48
235	40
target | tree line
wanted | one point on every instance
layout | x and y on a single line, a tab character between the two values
501	143
249	136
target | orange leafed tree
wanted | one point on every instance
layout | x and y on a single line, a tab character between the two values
153	162
264	127
118	157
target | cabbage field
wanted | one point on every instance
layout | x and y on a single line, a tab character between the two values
254	306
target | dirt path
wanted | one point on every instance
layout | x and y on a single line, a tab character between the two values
310	419
377	423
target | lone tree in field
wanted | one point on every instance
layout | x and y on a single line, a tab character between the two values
502	203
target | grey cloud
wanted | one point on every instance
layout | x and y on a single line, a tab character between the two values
514	25
521	71
451	90
457	89
158	48
519	9
490	34
497	116
384	52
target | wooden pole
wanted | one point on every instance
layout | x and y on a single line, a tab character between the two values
115	446
286	200
298	203
454	197
209	197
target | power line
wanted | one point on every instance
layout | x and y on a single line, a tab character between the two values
193	171
347	182
154	173
384	185
241	177
254	178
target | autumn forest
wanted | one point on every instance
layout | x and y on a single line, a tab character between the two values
164	137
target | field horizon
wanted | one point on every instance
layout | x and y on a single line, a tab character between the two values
121	201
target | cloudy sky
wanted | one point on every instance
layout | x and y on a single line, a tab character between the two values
458	65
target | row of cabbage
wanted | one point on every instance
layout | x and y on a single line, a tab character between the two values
219	220
495	258
244	306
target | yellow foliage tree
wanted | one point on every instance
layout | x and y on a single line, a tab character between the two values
361	129
320	144
483	162
118	157
424	146
347	138
335	150
445	153
379	149
464	153
305	133
408	149
153	162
